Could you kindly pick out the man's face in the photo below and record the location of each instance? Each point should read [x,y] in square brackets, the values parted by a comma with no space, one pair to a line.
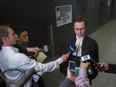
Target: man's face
[12,37]
[23,37]
[79,28]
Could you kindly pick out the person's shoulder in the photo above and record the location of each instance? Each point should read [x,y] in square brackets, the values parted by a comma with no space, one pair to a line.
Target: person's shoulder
[88,38]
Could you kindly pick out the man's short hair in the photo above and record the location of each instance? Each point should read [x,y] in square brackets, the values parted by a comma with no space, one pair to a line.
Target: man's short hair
[19,30]
[3,32]
[80,19]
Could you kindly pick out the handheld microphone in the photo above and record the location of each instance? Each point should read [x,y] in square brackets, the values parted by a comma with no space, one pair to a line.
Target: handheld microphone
[87,58]
[71,48]
[45,49]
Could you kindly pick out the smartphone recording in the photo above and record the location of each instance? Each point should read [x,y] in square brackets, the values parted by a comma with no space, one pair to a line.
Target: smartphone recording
[85,58]
[72,66]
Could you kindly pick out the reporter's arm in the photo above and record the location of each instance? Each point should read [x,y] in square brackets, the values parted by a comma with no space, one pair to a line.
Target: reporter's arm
[111,69]
[82,80]
[48,67]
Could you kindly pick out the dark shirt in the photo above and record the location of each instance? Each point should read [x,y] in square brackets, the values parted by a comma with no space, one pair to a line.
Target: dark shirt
[23,49]
[112,69]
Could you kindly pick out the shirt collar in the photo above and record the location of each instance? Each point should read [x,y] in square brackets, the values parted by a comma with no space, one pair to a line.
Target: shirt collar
[10,47]
[79,37]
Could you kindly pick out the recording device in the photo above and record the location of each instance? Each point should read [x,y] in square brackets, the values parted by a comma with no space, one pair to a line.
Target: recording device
[72,66]
[88,59]
[45,48]
[85,58]
[71,48]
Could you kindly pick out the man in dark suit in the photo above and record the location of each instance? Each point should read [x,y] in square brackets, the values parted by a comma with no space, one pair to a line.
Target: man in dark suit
[79,45]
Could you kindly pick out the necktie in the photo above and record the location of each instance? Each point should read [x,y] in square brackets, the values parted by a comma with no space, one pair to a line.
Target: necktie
[78,48]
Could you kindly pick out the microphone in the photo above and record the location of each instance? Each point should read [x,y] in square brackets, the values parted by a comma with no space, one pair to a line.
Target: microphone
[45,48]
[87,58]
[85,53]
[71,48]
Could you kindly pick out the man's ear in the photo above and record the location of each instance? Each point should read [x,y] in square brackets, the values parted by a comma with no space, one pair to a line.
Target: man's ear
[4,39]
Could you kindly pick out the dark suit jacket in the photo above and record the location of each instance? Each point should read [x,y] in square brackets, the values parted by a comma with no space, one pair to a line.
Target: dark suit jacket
[112,68]
[22,48]
[89,46]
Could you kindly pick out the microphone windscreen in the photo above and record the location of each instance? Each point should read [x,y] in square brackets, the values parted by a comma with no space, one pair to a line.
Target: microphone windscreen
[71,48]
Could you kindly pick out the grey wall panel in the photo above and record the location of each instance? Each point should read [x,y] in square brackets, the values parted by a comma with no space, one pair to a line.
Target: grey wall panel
[105,11]
[93,15]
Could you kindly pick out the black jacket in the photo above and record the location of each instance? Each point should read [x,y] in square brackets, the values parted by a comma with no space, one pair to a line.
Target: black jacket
[112,68]
[23,49]
[89,46]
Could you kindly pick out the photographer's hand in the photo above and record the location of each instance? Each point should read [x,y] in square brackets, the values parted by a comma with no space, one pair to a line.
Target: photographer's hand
[70,75]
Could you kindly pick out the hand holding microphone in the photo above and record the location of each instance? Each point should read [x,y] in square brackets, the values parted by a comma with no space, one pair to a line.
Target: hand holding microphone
[86,58]
[71,49]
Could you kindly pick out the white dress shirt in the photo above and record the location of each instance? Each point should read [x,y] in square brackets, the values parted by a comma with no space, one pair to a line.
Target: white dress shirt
[78,44]
[10,58]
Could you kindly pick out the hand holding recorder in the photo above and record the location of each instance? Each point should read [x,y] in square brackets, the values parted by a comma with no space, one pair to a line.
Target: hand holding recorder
[71,70]
[99,66]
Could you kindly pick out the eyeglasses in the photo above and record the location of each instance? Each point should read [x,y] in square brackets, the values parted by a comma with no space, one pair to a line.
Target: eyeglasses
[80,29]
